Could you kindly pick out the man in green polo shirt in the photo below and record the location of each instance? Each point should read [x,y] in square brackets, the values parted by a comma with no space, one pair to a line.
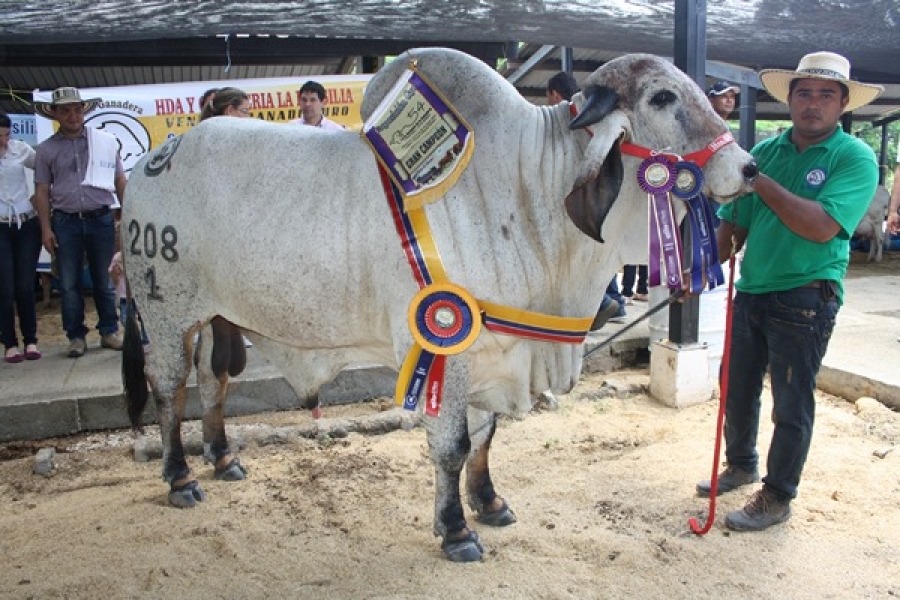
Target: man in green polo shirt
[814,185]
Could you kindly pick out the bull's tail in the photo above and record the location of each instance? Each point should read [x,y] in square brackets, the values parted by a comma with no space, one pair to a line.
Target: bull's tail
[133,377]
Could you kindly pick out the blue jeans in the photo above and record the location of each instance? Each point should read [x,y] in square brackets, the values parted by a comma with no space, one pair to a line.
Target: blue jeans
[19,252]
[77,239]
[612,290]
[787,333]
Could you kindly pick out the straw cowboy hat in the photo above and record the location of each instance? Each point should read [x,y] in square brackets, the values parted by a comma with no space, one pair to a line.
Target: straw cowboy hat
[65,95]
[820,65]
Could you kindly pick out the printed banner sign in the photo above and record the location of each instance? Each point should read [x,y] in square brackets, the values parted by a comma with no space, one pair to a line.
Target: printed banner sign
[420,139]
[23,128]
[143,117]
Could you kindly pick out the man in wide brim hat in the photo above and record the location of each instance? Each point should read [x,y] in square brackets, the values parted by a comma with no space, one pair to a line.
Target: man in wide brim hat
[820,65]
[811,186]
[65,95]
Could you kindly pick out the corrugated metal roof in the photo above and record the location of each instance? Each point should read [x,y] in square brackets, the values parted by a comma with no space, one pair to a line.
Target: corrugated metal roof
[750,33]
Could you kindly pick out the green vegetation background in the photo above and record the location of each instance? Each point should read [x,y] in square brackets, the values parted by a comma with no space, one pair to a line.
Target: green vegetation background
[865,131]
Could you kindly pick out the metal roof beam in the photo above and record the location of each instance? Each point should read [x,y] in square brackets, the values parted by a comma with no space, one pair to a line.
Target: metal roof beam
[529,64]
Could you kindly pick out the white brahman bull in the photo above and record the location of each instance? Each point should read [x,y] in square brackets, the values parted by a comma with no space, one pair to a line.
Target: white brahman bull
[871,227]
[285,233]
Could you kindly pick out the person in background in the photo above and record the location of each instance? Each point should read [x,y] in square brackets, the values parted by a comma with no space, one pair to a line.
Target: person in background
[117,276]
[629,273]
[224,102]
[312,103]
[203,100]
[20,247]
[893,219]
[78,174]
[723,98]
[561,87]
[813,186]
[219,102]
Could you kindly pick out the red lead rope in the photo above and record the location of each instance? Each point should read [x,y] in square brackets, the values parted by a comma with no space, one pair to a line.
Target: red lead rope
[723,396]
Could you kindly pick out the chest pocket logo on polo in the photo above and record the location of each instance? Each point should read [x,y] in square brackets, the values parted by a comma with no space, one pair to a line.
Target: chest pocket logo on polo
[815,178]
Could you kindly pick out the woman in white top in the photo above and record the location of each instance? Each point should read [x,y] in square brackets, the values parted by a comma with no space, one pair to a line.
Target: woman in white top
[20,246]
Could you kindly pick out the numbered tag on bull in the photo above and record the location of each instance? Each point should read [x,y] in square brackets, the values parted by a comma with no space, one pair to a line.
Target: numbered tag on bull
[444,319]
[147,242]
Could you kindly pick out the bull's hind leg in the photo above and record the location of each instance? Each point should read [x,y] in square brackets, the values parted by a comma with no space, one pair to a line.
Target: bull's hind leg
[220,353]
[168,378]
[492,509]
[448,440]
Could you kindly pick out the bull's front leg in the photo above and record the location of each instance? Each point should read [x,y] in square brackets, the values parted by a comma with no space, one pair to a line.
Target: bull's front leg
[877,244]
[448,441]
[492,509]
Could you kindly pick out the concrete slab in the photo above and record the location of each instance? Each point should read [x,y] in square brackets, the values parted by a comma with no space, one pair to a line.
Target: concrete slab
[862,357]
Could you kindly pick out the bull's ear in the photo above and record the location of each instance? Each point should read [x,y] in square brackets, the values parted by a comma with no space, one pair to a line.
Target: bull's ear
[589,203]
[599,102]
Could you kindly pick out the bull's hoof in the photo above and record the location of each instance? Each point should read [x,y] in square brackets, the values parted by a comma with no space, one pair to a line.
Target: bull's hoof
[187,495]
[467,549]
[499,518]
[234,471]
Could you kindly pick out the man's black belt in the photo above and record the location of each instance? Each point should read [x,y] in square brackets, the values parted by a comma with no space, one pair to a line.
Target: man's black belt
[818,283]
[827,286]
[88,214]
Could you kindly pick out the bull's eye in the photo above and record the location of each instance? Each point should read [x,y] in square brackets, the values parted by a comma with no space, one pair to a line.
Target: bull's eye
[662,99]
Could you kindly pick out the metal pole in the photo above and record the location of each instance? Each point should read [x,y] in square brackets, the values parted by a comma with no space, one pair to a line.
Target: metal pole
[747,133]
[567,60]
[690,57]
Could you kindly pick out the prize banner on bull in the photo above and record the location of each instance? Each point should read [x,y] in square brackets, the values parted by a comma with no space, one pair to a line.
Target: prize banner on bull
[420,139]
[143,117]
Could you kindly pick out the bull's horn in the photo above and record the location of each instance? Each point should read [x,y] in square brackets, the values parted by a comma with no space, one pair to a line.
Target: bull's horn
[601,100]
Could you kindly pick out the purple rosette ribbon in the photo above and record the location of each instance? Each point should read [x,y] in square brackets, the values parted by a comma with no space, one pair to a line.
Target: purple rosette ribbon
[657,176]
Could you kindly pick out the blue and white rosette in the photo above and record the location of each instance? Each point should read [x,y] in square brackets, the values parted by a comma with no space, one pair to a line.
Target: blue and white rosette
[704,251]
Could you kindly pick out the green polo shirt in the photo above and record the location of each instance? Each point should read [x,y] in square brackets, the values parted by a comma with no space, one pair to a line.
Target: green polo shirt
[839,173]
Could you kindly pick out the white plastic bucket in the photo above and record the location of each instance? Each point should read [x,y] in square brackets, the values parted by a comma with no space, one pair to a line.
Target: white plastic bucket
[711,326]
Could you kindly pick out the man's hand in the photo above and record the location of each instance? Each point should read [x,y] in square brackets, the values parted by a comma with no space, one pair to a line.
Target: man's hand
[893,222]
[49,241]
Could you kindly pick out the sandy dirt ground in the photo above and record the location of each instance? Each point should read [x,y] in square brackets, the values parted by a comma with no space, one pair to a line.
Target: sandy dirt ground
[603,488]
